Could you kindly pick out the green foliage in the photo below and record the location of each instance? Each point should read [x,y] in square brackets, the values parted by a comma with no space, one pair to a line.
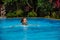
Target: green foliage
[47,16]
[24,2]
[11,14]
[57,14]
[32,14]
[42,8]
[19,13]
[53,15]
[44,5]
[40,3]
[6,1]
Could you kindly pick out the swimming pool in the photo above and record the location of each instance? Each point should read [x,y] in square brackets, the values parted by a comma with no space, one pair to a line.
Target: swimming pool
[37,29]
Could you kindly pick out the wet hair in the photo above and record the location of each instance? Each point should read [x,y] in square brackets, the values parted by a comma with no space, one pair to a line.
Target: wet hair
[21,20]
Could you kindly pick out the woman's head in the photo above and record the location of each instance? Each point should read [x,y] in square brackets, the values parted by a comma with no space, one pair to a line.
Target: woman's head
[24,20]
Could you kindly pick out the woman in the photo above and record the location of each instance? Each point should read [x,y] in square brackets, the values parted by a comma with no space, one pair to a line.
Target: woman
[24,21]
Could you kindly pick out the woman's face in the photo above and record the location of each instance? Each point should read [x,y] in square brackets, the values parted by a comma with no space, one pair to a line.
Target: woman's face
[24,20]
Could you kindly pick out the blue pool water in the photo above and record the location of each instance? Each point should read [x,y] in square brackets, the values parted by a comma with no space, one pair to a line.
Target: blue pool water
[37,29]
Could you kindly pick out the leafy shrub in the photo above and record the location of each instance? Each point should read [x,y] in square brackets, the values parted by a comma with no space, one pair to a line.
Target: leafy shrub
[19,13]
[32,14]
[11,14]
